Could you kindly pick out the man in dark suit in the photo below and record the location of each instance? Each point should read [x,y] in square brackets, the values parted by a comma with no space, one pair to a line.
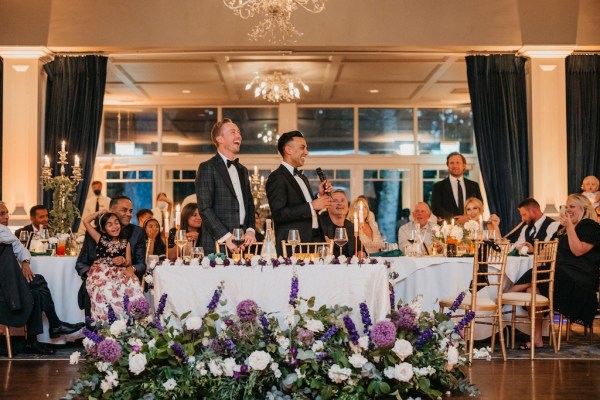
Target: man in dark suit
[449,195]
[223,190]
[122,207]
[39,220]
[290,196]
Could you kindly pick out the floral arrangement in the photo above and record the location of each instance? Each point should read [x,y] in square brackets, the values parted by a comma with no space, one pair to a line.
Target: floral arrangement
[320,354]
[459,232]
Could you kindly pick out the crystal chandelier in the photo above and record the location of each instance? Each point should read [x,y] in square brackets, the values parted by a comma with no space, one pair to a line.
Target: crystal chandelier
[277,16]
[277,87]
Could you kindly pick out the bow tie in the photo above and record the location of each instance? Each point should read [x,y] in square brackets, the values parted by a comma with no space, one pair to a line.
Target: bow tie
[235,162]
[298,172]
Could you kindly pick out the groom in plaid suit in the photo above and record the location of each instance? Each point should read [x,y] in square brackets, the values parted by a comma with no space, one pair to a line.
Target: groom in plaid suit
[223,190]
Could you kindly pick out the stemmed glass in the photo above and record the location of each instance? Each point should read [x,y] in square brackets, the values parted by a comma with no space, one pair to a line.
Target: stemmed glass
[238,240]
[293,239]
[340,238]
[180,241]
[43,234]
[198,253]
[412,232]
[24,238]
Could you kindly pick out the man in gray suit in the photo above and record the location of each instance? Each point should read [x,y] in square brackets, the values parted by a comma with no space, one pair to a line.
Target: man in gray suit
[223,191]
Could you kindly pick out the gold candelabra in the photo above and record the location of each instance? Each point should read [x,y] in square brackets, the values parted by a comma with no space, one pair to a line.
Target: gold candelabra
[257,185]
[76,170]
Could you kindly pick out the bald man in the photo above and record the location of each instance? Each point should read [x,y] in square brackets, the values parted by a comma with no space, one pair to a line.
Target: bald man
[420,215]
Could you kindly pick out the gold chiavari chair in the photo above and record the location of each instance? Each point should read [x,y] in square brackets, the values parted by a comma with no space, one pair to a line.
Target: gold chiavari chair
[489,265]
[306,250]
[249,252]
[544,266]
[6,331]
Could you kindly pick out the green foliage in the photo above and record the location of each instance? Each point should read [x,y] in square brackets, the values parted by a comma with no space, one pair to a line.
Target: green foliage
[64,212]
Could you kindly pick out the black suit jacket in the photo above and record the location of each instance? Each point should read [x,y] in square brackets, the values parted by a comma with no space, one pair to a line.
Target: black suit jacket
[289,207]
[16,300]
[443,204]
[329,227]
[27,228]
[217,202]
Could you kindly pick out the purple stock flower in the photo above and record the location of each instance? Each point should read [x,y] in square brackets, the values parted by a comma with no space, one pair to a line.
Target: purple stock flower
[425,337]
[262,262]
[247,310]
[161,304]
[179,351]
[288,261]
[139,308]
[264,321]
[335,261]
[215,300]
[404,318]
[228,343]
[109,350]
[248,262]
[466,320]
[352,332]
[392,297]
[365,316]
[126,304]
[456,303]
[93,336]
[110,314]
[294,291]
[157,324]
[383,333]
[373,261]
[329,333]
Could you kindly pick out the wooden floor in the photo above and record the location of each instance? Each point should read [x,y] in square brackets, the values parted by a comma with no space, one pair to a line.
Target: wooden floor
[515,379]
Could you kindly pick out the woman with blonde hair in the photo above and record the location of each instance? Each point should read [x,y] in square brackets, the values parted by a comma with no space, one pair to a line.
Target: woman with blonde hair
[577,261]
[474,211]
[369,235]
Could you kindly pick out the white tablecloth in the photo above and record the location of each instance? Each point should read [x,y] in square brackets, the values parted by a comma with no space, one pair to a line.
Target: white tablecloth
[64,284]
[190,288]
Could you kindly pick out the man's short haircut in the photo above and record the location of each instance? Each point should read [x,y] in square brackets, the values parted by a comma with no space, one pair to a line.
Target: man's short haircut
[216,129]
[96,183]
[455,153]
[115,200]
[286,138]
[339,191]
[529,202]
[143,212]
[35,209]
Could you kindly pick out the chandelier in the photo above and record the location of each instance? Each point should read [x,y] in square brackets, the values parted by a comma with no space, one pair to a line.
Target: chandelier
[277,87]
[277,16]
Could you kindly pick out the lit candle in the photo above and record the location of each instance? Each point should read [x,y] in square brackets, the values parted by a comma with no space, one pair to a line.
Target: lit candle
[62,146]
[262,180]
[361,214]
[46,161]
[444,229]
[452,221]
[167,225]
[76,160]
[177,216]
[355,224]
[481,222]
[255,170]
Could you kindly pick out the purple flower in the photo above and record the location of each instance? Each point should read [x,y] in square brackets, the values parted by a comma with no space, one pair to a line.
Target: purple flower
[365,316]
[373,261]
[213,263]
[236,375]
[335,261]
[93,336]
[404,318]
[161,305]
[264,321]
[228,322]
[294,291]
[139,308]
[111,314]
[352,332]
[288,261]
[383,333]
[157,324]
[135,348]
[248,262]
[226,262]
[109,350]
[425,337]
[275,262]
[215,300]
[321,356]
[126,304]
[329,333]
[392,297]
[247,310]
[243,368]
[228,343]
[466,320]
[294,352]
[262,262]
[456,303]
[179,351]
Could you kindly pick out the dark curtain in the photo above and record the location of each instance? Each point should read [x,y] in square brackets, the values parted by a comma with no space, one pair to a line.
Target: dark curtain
[497,88]
[1,123]
[74,96]
[583,118]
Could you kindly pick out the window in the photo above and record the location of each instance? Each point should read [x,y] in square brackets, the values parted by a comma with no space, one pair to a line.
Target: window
[338,178]
[131,131]
[386,131]
[135,184]
[259,128]
[181,183]
[327,130]
[442,131]
[187,130]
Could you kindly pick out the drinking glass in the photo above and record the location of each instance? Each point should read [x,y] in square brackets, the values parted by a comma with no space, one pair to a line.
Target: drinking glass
[293,239]
[187,251]
[61,247]
[24,238]
[180,241]
[238,240]
[412,232]
[492,235]
[323,252]
[198,253]
[43,234]
[340,238]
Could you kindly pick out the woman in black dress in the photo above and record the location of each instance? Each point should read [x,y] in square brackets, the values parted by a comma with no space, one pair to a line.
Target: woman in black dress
[577,266]
[191,223]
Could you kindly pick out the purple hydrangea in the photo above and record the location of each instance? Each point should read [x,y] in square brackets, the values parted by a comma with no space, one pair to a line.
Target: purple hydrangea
[93,336]
[353,335]
[139,308]
[365,316]
[247,310]
[109,350]
[294,291]
[383,333]
[404,318]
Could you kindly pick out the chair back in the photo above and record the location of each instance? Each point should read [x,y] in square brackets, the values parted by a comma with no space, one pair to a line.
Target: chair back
[544,266]
[249,252]
[306,250]
[489,260]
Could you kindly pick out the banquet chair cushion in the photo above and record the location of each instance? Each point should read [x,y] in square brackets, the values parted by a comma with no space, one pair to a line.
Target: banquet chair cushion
[523,298]
[483,303]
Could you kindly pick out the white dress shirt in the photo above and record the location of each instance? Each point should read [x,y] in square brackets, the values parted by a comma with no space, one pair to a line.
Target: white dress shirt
[306,192]
[7,237]
[404,233]
[551,230]
[454,184]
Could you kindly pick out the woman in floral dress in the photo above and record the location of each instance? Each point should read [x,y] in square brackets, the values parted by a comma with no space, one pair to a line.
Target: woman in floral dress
[113,276]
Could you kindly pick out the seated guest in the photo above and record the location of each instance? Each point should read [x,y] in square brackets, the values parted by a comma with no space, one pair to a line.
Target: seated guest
[577,261]
[539,226]
[335,217]
[156,242]
[369,235]
[143,215]
[94,203]
[191,223]
[474,212]
[421,215]
[42,298]
[38,216]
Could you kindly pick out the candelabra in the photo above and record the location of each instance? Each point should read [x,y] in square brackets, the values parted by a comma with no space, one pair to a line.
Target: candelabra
[64,212]
[257,183]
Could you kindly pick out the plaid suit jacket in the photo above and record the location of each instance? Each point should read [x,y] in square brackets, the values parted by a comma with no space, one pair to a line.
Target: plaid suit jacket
[217,202]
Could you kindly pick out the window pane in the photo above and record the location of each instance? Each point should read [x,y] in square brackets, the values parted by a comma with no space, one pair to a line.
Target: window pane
[386,131]
[258,126]
[140,194]
[187,130]
[136,130]
[113,174]
[327,130]
[189,174]
[145,174]
[442,131]
[129,174]
[181,190]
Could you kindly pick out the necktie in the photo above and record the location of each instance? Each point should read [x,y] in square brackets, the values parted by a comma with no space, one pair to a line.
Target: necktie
[235,162]
[461,201]
[97,204]
[298,172]
[532,232]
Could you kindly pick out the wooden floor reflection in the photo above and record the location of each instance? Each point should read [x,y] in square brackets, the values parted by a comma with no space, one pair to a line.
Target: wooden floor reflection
[515,379]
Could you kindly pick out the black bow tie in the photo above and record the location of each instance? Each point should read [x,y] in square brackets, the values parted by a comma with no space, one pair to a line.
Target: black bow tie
[235,162]
[298,172]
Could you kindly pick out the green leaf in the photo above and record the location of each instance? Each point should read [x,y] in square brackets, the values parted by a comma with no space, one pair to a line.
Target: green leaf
[185,315]
[384,388]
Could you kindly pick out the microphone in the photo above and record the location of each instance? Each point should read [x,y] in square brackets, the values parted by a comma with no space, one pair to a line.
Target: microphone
[322,177]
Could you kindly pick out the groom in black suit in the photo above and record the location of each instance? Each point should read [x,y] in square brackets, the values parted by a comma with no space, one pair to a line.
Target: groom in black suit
[223,191]
[290,196]
[448,196]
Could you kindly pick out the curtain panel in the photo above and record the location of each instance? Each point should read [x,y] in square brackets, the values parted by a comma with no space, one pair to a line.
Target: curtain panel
[74,97]
[497,87]
[583,118]
[1,120]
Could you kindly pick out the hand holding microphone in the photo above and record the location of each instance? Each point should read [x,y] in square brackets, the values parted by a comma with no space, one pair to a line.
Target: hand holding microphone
[322,201]
[323,189]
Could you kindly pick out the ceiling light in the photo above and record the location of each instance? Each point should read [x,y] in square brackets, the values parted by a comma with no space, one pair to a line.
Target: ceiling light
[374,91]
[186,91]
[277,86]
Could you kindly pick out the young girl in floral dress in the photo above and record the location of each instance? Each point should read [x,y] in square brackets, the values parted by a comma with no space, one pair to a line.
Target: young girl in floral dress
[113,276]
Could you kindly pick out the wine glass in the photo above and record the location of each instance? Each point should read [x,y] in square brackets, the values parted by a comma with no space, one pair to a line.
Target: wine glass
[340,238]
[238,240]
[180,241]
[412,232]
[24,238]
[198,253]
[323,252]
[293,239]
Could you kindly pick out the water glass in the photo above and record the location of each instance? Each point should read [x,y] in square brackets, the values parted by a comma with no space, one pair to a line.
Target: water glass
[198,253]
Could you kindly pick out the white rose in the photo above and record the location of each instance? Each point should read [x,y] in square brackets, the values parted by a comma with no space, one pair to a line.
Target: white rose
[277,373]
[194,262]
[205,262]
[472,226]
[402,372]
[152,343]
[357,360]
[118,327]
[283,342]
[201,368]
[457,232]
[170,384]
[219,261]
[452,355]
[338,374]
[193,323]
[215,368]
[105,386]
[135,342]
[102,366]
[74,358]
[363,342]
[354,260]
[229,365]
[149,279]
[329,259]
[88,344]
[402,348]
[425,371]
[317,346]
[314,325]
[259,360]
[343,259]
[137,363]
